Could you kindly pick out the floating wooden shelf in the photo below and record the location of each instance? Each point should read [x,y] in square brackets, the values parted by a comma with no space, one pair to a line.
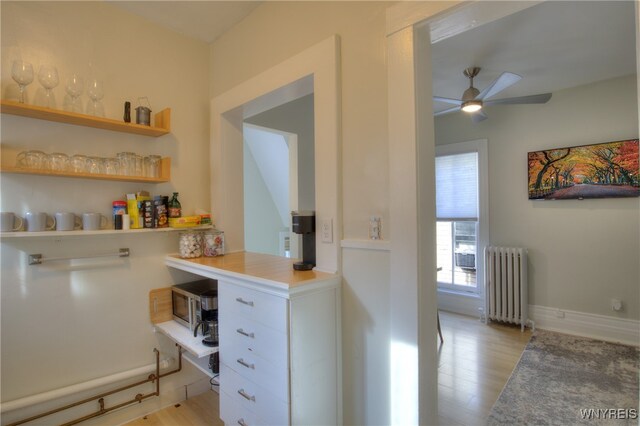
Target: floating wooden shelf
[162,119]
[165,174]
[81,233]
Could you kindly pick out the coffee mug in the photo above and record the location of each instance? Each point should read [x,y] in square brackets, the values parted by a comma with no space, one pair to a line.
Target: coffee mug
[67,222]
[93,221]
[7,221]
[37,221]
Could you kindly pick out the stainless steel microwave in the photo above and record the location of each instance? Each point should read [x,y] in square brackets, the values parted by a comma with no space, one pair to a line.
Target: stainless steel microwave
[186,301]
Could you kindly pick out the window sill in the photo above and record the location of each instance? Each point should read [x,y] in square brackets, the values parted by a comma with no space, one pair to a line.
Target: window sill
[459,293]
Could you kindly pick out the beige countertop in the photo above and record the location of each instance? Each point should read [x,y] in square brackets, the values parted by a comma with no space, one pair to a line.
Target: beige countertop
[265,267]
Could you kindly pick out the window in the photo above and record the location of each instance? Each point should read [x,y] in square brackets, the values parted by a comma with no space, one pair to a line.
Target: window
[460,199]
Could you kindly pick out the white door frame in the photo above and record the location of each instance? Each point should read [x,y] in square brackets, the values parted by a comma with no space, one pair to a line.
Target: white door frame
[410,28]
[315,70]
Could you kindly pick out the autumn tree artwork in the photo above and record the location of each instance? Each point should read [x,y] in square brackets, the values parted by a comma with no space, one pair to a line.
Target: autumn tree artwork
[589,171]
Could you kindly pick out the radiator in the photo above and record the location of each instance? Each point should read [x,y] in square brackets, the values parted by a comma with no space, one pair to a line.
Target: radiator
[506,285]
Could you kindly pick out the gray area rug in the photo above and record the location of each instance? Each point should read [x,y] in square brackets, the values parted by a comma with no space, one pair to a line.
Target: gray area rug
[567,380]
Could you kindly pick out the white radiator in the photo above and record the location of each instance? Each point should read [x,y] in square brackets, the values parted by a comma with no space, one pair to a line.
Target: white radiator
[506,285]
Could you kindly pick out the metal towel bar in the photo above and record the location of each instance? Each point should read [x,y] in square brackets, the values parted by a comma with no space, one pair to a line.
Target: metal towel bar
[37,259]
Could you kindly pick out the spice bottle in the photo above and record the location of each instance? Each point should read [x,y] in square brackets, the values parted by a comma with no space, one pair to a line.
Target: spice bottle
[175,209]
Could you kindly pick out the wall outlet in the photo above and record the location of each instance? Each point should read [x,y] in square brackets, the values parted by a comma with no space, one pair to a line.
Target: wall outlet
[559,313]
[375,227]
[326,230]
[616,305]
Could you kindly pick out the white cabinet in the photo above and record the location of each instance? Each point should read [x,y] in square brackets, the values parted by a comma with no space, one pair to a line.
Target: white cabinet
[278,355]
[279,340]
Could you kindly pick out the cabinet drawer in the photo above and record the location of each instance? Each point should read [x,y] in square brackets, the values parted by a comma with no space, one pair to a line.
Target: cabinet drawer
[254,338]
[232,414]
[257,370]
[264,308]
[254,398]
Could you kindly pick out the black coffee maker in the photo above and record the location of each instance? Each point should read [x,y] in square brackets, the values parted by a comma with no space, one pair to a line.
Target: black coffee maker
[304,222]
[208,318]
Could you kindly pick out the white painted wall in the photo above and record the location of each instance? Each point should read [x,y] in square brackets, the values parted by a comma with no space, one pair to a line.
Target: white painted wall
[274,32]
[296,117]
[581,253]
[262,220]
[61,326]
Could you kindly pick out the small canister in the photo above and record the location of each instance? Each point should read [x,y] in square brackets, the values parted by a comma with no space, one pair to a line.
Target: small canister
[190,245]
[143,113]
[119,209]
[213,243]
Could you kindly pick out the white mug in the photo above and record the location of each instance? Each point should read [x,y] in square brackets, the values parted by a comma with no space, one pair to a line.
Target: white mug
[67,222]
[93,221]
[7,220]
[37,221]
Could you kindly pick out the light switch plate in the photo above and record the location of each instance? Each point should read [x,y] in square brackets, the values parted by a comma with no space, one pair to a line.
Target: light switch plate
[327,230]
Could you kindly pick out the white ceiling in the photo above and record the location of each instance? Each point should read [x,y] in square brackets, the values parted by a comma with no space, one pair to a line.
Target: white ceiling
[553,46]
[203,20]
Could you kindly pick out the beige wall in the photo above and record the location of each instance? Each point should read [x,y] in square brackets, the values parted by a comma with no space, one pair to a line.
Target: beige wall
[581,253]
[276,31]
[68,323]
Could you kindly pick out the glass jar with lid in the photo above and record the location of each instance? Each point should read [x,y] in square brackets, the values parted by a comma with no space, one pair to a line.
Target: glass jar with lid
[190,244]
[213,242]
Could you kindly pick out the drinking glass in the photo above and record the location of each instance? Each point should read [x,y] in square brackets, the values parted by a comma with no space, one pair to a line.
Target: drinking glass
[152,166]
[79,163]
[96,93]
[95,165]
[22,73]
[48,77]
[58,162]
[75,88]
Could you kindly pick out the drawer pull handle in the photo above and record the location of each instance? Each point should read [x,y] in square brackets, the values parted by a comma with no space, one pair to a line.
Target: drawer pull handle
[242,423]
[244,333]
[241,362]
[246,395]
[244,302]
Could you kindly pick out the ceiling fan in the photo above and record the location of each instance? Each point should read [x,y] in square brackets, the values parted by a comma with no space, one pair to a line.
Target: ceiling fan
[474,100]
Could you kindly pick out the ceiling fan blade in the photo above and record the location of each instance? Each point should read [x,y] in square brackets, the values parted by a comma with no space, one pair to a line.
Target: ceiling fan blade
[505,80]
[532,99]
[447,100]
[446,111]
[478,116]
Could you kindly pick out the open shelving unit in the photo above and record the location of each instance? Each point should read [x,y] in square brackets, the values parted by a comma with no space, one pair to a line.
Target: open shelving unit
[165,174]
[162,119]
[81,233]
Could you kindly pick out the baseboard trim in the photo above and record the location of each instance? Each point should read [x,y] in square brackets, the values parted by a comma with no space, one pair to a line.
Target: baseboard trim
[459,303]
[611,329]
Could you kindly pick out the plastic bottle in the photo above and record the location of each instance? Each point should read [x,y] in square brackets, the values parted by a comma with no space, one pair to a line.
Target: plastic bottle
[175,209]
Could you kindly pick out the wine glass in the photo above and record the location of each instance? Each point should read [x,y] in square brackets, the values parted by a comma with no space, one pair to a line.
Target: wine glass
[48,77]
[75,88]
[22,73]
[96,93]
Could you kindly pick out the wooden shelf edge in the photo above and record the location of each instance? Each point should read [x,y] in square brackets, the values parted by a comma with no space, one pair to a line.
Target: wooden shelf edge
[165,174]
[81,233]
[163,119]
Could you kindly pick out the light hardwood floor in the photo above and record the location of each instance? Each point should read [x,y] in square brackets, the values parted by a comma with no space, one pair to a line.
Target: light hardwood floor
[200,410]
[475,362]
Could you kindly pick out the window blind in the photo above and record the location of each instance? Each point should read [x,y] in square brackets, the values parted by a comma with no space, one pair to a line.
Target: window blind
[457,186]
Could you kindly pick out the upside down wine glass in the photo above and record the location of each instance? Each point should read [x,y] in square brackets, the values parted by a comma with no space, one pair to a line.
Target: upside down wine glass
[96,93]
[22,73]
[48,77]
[75,87]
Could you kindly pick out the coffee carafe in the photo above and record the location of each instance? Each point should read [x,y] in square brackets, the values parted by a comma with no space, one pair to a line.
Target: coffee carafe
[209,318]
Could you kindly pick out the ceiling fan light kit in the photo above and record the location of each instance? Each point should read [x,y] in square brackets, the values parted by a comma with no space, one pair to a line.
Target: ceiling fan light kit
[473,100]
[471,106]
